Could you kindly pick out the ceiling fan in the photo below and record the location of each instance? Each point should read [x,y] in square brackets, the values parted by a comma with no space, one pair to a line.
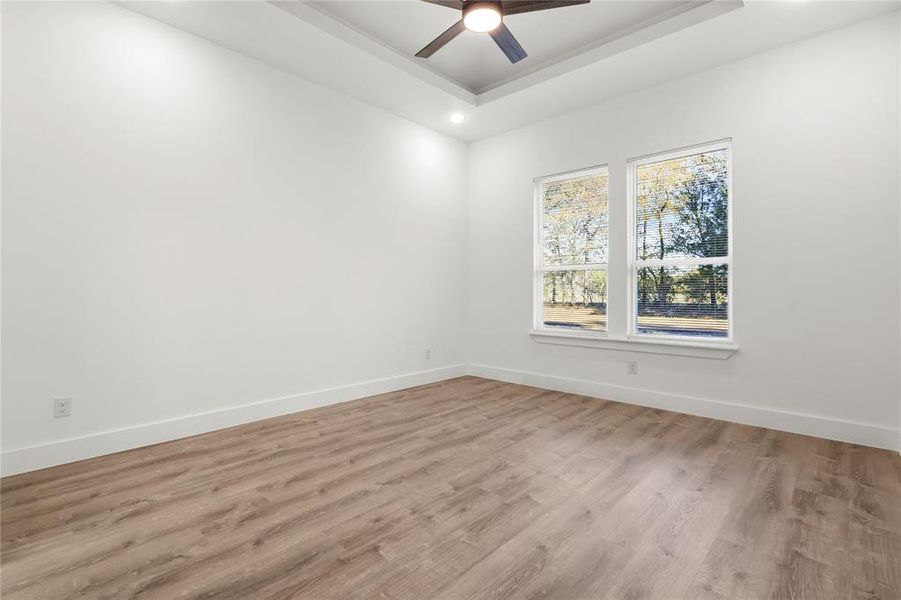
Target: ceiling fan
[487,16]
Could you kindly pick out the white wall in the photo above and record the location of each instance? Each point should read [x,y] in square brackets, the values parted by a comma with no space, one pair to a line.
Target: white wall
[188,234]
[815,148]
[186,230]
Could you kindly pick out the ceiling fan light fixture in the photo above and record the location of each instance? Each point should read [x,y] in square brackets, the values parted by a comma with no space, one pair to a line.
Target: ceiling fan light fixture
[487,16]
[481,17]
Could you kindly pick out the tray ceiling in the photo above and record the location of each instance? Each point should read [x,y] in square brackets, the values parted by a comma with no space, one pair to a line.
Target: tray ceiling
[320,46]
[472,60]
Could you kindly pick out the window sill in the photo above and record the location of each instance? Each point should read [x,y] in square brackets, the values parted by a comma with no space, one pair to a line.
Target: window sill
[699,349]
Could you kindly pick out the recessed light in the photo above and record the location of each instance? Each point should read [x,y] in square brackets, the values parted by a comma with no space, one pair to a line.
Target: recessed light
[457,118]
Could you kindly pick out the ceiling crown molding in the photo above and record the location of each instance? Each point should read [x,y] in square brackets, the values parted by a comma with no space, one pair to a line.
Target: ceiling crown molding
[303,40]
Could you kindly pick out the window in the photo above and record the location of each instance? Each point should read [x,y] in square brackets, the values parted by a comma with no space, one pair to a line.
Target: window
[571,286]
[669,283]
[680,256]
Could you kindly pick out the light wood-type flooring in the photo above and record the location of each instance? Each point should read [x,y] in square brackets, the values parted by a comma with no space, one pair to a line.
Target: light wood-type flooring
[465,489]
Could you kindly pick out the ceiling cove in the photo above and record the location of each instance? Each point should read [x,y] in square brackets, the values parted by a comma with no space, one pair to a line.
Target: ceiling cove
[331,44]
[471,67]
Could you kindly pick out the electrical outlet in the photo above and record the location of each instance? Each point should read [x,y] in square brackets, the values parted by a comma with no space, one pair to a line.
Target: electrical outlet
[428,354]
[633,367]
[62,407]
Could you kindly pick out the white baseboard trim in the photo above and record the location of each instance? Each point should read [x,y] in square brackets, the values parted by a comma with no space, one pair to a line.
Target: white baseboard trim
[825,427]
[30,458]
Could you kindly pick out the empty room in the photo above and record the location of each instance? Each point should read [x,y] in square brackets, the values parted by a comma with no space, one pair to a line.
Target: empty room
[450,299]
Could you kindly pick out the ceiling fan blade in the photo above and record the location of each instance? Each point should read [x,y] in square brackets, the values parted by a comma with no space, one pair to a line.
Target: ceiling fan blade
[455,4]
[436,44]
[507,43]
[515,7]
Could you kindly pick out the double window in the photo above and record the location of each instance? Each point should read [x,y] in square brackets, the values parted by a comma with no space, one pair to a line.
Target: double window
[676,281]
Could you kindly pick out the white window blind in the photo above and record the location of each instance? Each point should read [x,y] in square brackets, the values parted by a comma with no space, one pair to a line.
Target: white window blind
[573,251]
[680,258]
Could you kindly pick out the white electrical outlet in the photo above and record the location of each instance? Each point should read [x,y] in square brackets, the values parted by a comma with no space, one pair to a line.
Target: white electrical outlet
[62,407]
[633,367]
[428,354]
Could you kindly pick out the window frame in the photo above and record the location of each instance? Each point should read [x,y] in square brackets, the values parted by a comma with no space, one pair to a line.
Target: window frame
[538,266]
[632,165]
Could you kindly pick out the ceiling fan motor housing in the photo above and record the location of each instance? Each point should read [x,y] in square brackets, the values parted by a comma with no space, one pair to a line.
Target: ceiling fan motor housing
[487,16]
[469,5]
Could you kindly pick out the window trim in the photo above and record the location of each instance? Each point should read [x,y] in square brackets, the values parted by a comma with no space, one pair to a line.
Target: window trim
[538,266]
[692,346]
[632,165]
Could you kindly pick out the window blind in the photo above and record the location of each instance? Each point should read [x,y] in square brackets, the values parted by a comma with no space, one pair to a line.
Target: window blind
[680,266]
[574,250]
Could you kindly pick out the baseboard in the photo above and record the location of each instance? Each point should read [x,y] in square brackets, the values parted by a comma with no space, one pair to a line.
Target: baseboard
[20,460]
[833,429]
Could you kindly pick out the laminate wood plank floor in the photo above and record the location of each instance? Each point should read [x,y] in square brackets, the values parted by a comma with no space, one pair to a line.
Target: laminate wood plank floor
[464,489]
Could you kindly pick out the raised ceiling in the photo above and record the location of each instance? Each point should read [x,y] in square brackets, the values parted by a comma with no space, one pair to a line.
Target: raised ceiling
[473,60]
[312,43]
